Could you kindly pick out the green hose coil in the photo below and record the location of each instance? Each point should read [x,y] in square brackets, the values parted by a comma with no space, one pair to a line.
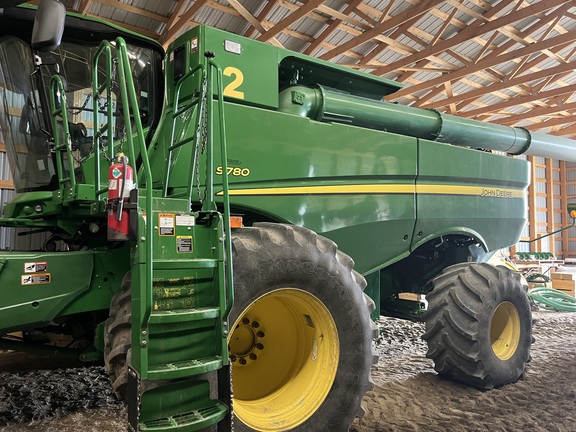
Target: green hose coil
[553,299]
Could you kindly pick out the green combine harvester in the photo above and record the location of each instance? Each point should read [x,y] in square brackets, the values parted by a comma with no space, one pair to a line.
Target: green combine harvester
[226,218]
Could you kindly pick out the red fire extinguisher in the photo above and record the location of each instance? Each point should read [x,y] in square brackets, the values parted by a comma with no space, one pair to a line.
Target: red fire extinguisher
[120,183]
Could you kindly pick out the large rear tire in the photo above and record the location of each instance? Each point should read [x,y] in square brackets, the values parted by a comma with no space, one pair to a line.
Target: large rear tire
[479,325]
[301,338]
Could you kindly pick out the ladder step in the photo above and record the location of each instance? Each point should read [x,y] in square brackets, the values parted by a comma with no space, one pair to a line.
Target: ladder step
[183,315]
[198,263]
[185,368]
[180,143]
[188,421]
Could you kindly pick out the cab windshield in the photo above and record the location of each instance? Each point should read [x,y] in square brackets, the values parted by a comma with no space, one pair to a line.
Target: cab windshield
[24,116]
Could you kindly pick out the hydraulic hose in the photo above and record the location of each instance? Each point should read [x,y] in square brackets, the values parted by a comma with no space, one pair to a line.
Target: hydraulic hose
[553,299]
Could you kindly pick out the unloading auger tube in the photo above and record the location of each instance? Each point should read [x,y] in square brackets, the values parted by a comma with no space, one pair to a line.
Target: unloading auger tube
[329,105]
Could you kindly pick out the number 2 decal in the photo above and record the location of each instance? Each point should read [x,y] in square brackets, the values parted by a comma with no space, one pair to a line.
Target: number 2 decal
[232,88]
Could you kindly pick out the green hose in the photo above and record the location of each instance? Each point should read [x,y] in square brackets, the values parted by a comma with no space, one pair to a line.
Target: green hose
[553,299]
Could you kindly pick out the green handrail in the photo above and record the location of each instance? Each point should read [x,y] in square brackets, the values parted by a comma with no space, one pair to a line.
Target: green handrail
[97,90]
[229,301]
[60,109]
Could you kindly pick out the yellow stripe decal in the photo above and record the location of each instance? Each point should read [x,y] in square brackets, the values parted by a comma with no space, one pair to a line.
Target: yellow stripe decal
[333,189]
[359,189]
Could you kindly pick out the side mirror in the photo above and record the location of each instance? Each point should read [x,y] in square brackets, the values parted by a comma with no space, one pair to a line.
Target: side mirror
[48,25]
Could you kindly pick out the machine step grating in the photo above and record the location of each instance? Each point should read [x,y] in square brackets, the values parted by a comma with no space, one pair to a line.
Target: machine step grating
[189,421]
[184,369]
[183,315]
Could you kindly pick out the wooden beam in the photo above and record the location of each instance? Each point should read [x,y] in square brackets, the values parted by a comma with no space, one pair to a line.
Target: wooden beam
[83,7]
[546,111]
[550,202]
[168,36]
[471,32]
[261,17]
[567,67]
[558,121]
[488,62]
[252,20]
[391,23]
[563,204]
[135,29]
[532,205]
[518,100]
[290,19]
[134,10]
[331,27]
[6,184]
[175,15]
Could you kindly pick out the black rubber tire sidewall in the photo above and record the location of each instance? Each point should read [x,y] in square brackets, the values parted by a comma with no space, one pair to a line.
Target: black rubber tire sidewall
[458,323]
[261,265]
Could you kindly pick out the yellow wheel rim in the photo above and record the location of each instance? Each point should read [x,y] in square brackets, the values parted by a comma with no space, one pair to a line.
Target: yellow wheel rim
[505,331]
[284,351]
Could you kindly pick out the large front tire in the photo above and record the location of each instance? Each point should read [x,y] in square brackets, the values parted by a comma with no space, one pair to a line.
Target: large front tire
[479,325]
[301,334]
[117,341]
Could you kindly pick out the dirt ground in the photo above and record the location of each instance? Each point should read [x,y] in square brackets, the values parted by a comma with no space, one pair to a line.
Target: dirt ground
[408,395]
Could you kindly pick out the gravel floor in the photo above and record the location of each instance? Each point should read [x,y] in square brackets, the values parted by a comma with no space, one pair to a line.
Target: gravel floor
[408,395]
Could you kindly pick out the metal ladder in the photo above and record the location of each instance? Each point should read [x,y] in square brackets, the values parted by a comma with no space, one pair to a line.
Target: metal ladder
[179,373]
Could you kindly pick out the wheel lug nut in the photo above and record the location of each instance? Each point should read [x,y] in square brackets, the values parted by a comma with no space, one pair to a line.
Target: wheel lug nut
[242,361]
[232,358]
[260,334]
[253,356]
[260,346]
[245,321]
[255,324]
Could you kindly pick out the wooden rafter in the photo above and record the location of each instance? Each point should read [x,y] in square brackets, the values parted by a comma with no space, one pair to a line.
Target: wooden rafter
[513,101]
[330,28]
[183,20]
[84,5]
[471,31]
[251,19]
[491,61]
[290,19]
[261,17]
[381,28]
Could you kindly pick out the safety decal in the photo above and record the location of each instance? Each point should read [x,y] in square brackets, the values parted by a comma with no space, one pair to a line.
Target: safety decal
[35,279]
[35,267]
[166,224]
[184,244]
[185,220]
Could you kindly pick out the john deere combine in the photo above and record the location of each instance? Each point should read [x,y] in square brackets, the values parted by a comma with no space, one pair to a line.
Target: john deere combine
[206,206]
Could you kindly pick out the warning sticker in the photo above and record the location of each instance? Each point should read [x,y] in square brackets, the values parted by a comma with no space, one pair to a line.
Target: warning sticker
[166,224]
[35,279]
[35,267]
[184,244]
[185,220]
